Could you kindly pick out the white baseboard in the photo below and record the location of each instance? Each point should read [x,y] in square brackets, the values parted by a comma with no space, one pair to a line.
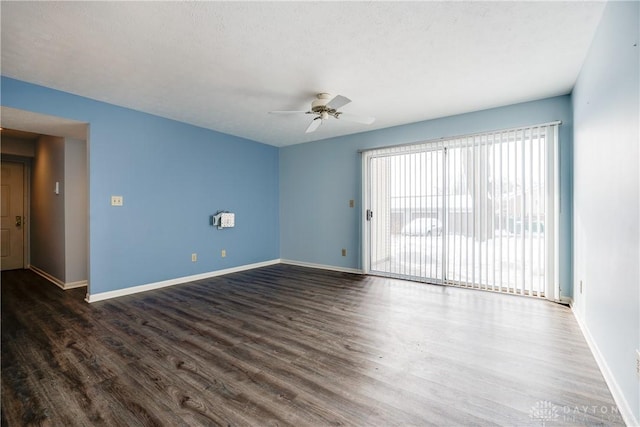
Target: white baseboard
[616,392]
[91,298]
[321,266]
[73,285]
[59,283]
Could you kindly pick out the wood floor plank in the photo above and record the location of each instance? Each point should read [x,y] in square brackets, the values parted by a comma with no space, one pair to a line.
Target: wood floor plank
[287,345]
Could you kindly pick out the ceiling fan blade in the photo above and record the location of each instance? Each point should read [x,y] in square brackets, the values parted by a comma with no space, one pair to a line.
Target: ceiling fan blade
[355,118]
[288,112]
[338,101]
[315,124]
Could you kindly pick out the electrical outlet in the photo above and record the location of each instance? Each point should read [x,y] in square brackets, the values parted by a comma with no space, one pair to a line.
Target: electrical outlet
[352,203]
[223,253]
[344,252]
[580,286]
[117,200]
[638,363]
[194,257]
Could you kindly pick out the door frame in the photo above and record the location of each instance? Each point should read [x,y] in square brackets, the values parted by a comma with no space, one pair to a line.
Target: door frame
[365,196]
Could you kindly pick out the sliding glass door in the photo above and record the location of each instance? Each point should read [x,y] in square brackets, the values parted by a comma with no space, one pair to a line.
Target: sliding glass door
[476,211]
[407,214]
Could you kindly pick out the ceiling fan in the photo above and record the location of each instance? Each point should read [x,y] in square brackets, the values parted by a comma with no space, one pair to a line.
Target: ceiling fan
[326,105]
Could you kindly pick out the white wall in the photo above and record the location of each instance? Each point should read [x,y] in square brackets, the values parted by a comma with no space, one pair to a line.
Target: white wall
[606,201]
[47,208]
[59,222]
[75,210]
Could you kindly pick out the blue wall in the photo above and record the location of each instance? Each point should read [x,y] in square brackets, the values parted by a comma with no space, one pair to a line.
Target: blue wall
[318,179]
[606,103]
[173,176]
[291,203]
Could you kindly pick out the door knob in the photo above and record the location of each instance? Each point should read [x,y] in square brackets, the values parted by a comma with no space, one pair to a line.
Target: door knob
[18,221]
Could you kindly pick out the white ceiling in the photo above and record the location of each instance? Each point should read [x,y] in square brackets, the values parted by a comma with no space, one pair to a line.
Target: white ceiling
[224,65]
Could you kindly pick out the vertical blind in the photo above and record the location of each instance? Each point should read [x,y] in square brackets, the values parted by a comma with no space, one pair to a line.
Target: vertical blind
[476,211]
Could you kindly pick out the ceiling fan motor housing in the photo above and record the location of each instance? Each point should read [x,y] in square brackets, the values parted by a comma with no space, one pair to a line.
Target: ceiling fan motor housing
[319,105]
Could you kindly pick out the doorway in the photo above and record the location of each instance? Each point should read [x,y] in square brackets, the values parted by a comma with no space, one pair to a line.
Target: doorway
[56,223]
[477,211]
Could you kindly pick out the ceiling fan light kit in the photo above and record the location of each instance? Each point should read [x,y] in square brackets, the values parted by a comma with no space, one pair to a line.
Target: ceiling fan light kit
[326,105]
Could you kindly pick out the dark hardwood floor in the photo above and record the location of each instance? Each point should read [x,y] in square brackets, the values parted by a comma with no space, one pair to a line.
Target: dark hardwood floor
[287,345]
